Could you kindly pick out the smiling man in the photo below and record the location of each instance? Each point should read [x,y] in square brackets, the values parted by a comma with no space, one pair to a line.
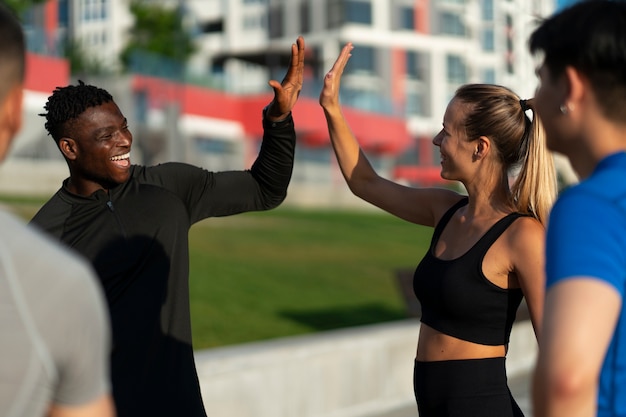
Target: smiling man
[132,223]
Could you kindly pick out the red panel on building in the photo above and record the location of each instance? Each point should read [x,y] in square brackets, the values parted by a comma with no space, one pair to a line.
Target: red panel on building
[195,100]
[375,132]
[422,14]
[51,20]
[45,73]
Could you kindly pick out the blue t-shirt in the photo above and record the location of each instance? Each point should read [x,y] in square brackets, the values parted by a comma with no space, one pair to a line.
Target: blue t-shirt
[587,237]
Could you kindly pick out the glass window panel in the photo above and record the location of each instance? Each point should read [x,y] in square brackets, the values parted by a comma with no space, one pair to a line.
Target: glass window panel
[488,40]
[456,69]
[363,61]
[358,12]
[451,24]
[486,10]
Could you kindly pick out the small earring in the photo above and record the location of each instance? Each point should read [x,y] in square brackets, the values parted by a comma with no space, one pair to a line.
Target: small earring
[563,108]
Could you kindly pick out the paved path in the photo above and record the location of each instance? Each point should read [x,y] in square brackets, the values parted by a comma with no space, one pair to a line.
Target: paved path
[520,387]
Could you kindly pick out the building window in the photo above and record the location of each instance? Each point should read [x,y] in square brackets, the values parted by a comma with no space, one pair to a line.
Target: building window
[489,76]
[334,14]
[403,18]
[414,65]
[487,40]
[415,104]
[363,61]
[305,17]
[103,9]
[314,154]
[275,22]
[218,153]
[510,52]
[340,12]
[451,24]
[358,12]
[456,69]
[360,98]
[486,10]
[64,14]
[253,21]
[94,10]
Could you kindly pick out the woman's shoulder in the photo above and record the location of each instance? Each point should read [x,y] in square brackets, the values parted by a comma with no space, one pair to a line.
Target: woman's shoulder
[525,231]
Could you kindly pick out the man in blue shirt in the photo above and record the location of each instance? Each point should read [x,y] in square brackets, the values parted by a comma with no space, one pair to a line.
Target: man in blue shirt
[581,369]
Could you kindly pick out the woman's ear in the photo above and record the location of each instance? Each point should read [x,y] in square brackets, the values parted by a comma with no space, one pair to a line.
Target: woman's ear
[481,147]
[68,148]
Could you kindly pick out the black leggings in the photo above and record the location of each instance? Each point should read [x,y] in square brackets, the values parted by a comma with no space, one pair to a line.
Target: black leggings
[464,388]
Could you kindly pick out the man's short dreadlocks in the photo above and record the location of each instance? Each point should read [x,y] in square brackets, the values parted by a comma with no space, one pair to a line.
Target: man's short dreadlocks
[67,103]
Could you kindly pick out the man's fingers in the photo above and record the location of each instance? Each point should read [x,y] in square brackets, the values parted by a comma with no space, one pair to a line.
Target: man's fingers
[297,63]
[295,55]
[275,85]
[300,43]
[297,52]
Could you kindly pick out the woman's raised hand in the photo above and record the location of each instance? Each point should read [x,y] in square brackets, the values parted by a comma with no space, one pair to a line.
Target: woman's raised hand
[329,96]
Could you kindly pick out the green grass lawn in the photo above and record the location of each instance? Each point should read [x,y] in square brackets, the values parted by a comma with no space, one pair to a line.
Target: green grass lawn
[291,271]
[283,272]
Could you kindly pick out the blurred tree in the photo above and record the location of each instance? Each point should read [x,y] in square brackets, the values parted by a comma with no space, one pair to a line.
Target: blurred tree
[158,30]
[81,63]
[20,6]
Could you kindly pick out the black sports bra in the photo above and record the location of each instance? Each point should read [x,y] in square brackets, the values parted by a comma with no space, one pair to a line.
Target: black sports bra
[456,297]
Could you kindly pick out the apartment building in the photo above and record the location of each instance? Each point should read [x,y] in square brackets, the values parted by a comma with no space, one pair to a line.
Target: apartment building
[409,57]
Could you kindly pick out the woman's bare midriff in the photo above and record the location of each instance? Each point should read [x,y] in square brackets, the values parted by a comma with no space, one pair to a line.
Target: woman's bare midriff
[436,346]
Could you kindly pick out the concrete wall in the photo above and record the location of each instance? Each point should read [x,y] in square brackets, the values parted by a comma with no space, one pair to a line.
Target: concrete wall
[32,177]
[358,372]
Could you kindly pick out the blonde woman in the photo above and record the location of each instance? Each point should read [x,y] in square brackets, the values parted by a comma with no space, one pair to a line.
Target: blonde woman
[486,252]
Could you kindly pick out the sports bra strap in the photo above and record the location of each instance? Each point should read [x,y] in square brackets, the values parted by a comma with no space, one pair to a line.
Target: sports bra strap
[445,219]
[494,232]
[487,239]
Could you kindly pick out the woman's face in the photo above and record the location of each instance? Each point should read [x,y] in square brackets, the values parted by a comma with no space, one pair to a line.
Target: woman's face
[456,151]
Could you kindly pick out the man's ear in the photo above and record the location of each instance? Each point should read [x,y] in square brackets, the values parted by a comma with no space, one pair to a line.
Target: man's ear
[10,118]
[14,108]
[576,88]
[68,148]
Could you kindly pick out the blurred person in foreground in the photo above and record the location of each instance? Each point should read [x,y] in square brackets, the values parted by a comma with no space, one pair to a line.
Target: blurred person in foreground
[54,329]
[133,221]
[581,98]
[486,252]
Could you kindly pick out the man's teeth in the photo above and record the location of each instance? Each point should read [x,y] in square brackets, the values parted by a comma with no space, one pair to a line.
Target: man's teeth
[120,157]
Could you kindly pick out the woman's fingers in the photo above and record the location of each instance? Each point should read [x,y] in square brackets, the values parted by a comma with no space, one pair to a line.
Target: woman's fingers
[330,91]
[342,59]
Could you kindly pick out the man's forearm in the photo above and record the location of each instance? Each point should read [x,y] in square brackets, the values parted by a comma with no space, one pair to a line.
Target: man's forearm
[274,165]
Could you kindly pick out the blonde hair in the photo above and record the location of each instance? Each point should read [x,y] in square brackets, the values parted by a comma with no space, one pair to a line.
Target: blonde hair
[498,113]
